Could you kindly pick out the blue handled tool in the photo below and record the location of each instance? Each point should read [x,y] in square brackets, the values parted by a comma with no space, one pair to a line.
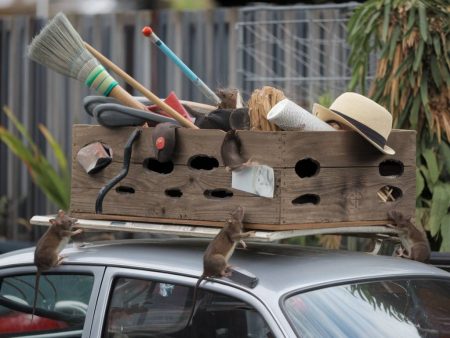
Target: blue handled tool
[148,32]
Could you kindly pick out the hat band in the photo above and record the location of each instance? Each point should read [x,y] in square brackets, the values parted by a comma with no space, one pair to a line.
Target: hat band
[370,133]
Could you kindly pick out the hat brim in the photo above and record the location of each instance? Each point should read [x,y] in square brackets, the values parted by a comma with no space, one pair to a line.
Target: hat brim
[326,115]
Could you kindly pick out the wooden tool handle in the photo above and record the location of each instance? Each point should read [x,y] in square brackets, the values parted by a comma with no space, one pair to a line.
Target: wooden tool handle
[125,98]
[144,91]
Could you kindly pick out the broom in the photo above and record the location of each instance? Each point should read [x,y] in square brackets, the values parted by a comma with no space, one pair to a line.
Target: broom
[59,47]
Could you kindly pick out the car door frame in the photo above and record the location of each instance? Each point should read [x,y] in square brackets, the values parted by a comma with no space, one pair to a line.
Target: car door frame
[113,272]
[96,271]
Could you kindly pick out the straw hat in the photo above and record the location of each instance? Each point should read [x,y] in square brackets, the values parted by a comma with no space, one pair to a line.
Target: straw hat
[368,118]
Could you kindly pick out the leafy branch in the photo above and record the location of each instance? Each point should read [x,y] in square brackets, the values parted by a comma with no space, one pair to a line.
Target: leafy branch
[55,183]
[412,80]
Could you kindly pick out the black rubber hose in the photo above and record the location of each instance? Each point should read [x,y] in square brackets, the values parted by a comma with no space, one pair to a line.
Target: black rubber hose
[126,166]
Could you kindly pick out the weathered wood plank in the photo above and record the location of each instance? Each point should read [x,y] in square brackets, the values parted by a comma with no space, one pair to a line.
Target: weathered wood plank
[183,178]
[346,194]
[250,226]
[346,148]
[256,145]
[187,207]
[276,149]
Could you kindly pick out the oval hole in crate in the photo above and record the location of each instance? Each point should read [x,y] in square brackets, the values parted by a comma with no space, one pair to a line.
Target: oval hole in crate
[389,193]
[307,167]
[392,168]
[123,189]
[218,193]
[174,192]
[203,162]
[306,199]
[153,164]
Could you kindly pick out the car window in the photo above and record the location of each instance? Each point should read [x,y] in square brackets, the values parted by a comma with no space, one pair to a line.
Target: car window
[385,308]
[61,305]
[144,308]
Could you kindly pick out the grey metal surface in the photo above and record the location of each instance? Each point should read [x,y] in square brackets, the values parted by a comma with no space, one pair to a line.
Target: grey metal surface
[294,46]
[279,268]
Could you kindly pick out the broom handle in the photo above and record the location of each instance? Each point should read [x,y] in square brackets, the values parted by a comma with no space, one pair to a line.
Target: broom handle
[136,85]
[125,98]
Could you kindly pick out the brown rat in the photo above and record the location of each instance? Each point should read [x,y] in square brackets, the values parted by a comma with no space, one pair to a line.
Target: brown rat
[220,249]
[231,152]
[230,98]
[46,255]
[414,242]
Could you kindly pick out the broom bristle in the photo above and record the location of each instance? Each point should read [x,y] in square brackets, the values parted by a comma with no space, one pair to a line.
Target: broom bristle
[60,47]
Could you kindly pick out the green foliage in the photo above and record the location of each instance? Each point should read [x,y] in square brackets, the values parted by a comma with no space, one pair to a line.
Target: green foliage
[55,183]
[326,99]
[412,80]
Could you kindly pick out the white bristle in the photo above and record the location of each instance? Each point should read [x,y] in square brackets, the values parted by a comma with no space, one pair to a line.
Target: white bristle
[60,47]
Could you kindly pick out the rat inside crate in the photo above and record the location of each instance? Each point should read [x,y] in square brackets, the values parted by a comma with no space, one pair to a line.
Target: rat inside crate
[321,178]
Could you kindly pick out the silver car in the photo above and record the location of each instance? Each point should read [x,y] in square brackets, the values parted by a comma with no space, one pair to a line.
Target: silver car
[144,288]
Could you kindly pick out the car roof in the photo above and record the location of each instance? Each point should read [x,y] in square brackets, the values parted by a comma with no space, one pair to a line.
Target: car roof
[280,268]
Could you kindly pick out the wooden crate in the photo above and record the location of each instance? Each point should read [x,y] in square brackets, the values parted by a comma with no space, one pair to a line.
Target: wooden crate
[344,174]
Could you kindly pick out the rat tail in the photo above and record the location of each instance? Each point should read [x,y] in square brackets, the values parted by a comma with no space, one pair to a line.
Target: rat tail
[36,291]
[194,299]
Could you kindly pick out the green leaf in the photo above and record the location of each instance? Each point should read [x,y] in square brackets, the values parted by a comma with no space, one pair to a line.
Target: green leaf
[386,19]
[445,73]
[385,51]
[394,39]
[424,96]
[420,184]
[357,22]
[422,216]
[439,206]
[432,165]
[423,23]
[411,18]
[426,175]
[437,45]
[418,56]
[370,26]
[436,74]
[20,128]
[405,65]
[403,117]
[444,150]
[414,113]
[16,146]
[59,154]
[354,82]
[56,186]
[445,234]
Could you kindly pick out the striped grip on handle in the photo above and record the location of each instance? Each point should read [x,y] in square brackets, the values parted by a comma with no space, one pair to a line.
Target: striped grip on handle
[100,80]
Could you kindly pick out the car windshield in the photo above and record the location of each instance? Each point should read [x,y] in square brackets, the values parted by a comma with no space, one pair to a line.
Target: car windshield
[383,308]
